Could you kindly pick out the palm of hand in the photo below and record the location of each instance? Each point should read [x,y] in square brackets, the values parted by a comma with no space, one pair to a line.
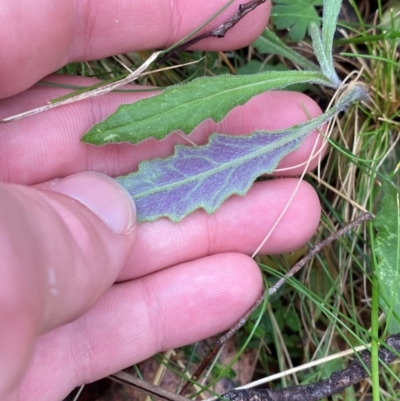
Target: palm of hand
[181,282]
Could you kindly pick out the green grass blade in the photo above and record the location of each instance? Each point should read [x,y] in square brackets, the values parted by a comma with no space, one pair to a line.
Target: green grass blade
[184,107]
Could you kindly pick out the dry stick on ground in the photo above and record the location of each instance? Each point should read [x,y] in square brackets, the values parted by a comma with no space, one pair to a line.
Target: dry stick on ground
[313,251]
[338,381]
[218,32]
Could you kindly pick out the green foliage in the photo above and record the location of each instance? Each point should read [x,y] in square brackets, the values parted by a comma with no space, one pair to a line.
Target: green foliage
[205,176]
[296,15]
[322,43]
[186,106]
[331,14]
[291,319]
[287,321]
[269,42]
[387,250]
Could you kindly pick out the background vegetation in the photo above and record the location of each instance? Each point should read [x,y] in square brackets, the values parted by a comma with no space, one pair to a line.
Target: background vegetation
[332,305]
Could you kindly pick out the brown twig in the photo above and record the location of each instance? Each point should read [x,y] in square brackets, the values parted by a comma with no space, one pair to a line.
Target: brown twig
[317,248]
[338,381]
[313,251]
[218,32]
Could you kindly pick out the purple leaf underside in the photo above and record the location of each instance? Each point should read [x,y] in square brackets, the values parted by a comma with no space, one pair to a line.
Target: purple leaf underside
[204,176]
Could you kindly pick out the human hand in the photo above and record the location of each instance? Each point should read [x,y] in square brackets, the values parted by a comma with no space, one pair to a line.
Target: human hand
[63,322]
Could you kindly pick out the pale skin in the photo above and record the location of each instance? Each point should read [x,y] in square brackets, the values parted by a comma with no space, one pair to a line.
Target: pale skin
[181,282]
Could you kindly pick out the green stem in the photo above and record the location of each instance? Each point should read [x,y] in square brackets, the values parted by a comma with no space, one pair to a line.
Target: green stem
[374,315]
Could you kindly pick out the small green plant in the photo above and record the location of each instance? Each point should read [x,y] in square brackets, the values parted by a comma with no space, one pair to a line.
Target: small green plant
[296,15]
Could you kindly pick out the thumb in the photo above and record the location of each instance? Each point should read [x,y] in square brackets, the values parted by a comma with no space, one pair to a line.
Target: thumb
[62,245]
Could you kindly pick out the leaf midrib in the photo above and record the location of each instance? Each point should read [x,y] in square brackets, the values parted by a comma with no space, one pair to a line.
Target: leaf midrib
[223,166]
[318,79]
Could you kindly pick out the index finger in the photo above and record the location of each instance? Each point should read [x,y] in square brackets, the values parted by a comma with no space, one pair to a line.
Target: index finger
[37,40]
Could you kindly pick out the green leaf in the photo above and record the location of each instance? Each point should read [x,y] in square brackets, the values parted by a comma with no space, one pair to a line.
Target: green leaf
[387,249]
[292,320]
[186,106]
[320,54]
[322,44]
[269,42]
[329,22]
[296,15]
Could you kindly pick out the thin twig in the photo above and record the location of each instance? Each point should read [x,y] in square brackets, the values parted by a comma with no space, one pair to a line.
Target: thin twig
[338,381]
[317,248]
[218,32]
[271,291]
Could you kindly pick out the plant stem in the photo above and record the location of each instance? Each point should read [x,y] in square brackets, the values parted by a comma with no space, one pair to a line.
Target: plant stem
[374,319]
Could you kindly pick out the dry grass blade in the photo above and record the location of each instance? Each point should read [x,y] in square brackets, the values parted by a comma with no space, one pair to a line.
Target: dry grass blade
[149,388]
[88,94]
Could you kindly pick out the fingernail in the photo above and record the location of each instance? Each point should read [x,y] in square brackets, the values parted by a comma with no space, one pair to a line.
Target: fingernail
[103,196]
